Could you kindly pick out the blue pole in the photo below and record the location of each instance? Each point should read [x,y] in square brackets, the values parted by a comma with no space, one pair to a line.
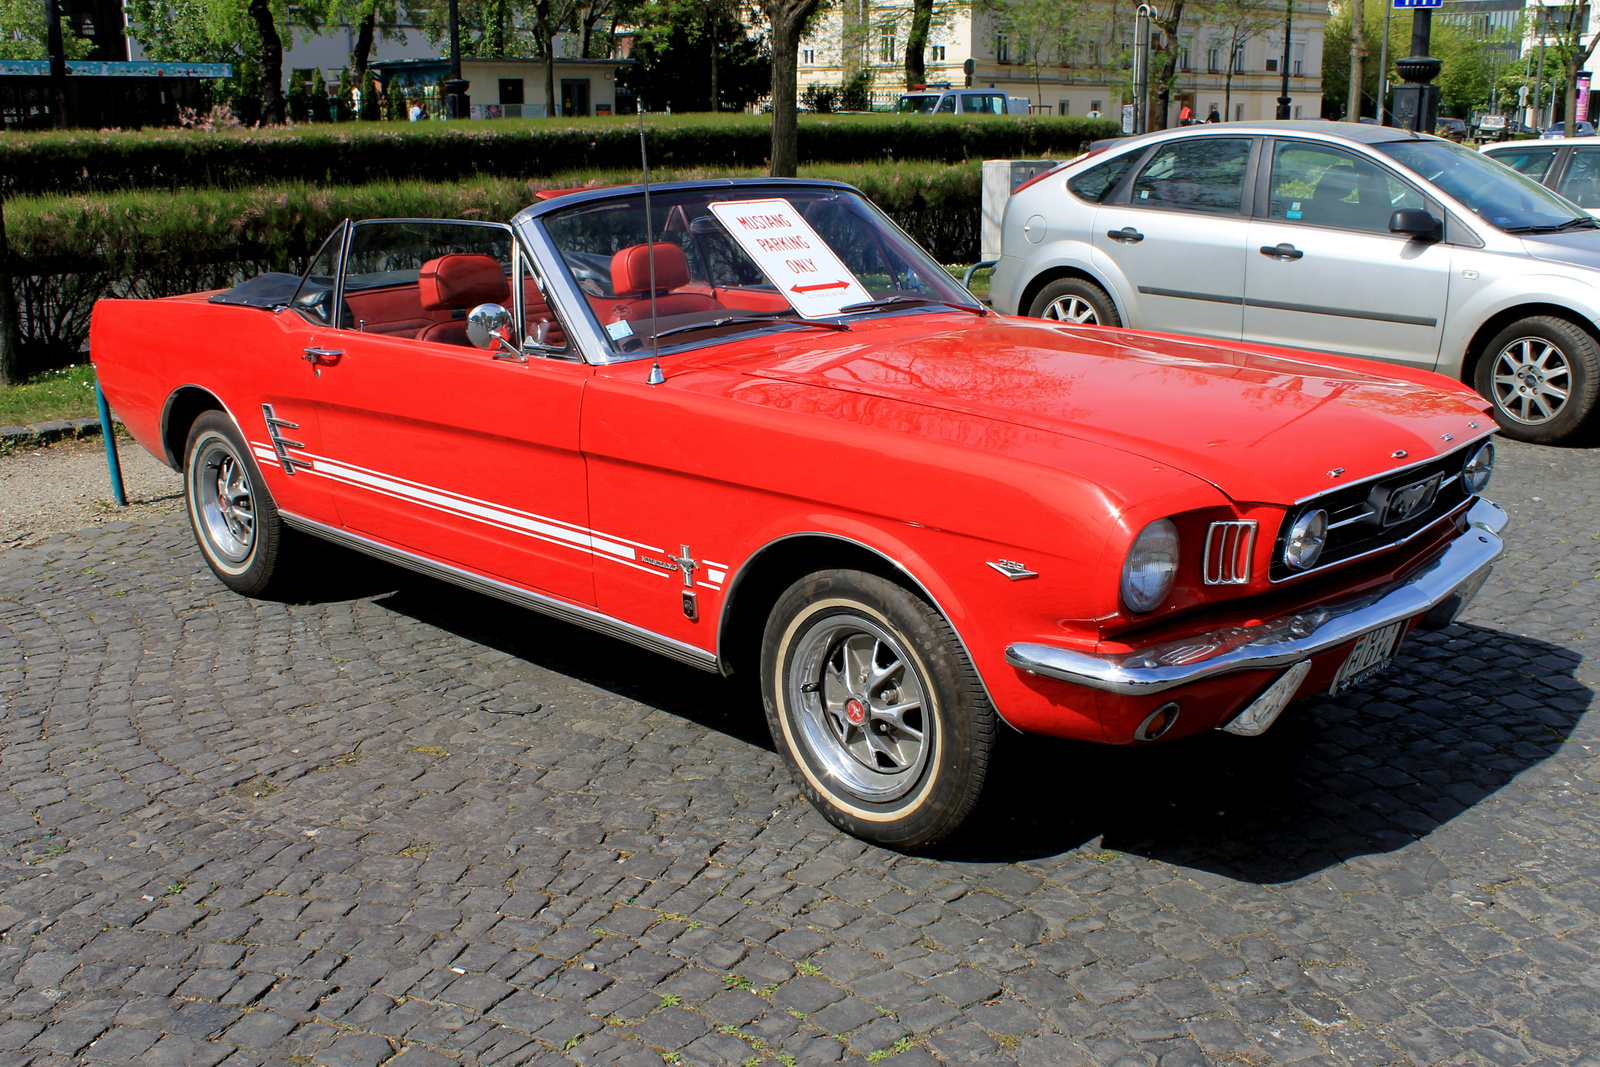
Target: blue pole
[110,434]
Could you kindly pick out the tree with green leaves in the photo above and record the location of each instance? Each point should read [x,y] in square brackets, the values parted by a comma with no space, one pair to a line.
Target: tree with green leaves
[1566,28]
[787,21]
[1466,82]
[1169,20]
[245,33]
[368,17]
[1239,21]
[917,43]
[685,61]
[1042,34]
[22,32]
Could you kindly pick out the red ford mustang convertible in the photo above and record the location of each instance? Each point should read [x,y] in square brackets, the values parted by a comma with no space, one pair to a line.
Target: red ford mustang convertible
[752,426]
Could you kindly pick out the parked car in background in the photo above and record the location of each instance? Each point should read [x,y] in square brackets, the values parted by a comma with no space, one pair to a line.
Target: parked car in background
[754,428]
[1570,166]
[1454,129]
[961,102]
[1364,240]
[1581,129]
[1491,127]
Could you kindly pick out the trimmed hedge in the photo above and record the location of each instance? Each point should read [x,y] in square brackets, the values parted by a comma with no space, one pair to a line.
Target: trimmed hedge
[74,164]
[69,253]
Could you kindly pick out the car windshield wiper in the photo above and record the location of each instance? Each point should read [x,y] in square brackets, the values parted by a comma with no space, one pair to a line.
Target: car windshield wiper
[744,320]
[889,301]
[1585,222]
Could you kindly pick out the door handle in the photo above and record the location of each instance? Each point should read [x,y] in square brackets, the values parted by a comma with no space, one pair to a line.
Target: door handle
[1127,234]
[323,355]
[1281,251]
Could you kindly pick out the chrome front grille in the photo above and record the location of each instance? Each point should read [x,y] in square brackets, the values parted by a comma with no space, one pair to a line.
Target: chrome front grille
[1227,556]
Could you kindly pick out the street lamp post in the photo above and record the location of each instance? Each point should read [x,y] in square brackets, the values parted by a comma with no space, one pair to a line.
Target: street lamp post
[1416,103]
[1288,29]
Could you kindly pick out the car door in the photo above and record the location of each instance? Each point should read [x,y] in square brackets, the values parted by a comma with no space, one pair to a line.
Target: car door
[1324,270]
[438,447]
[1178,236]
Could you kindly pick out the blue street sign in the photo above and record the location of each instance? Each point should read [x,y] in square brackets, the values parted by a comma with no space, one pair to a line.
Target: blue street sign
[1418,3]
[40,68]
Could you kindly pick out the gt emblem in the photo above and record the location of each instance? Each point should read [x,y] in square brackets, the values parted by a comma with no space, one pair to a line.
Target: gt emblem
[856,712]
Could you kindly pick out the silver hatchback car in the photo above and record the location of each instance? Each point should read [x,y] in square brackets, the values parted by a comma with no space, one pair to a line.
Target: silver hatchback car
[1340,237]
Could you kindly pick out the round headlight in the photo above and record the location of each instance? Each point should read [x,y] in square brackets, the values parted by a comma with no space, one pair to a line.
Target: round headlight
[1306,538]
[1151,564]
[1475,475]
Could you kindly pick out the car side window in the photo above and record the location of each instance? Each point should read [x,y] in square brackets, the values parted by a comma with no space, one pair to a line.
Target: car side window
[947,106]
[1195,174]
[540,324]
[1096,183]
[1534,161]
[419,279]
[1319,185]
[1582,182]
[983,104]
[314,299]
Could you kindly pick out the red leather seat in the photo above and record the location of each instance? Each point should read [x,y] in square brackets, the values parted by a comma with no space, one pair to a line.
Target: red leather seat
[459,282]
[630,279]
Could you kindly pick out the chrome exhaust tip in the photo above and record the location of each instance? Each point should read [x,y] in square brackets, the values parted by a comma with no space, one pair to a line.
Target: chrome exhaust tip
[1157,722]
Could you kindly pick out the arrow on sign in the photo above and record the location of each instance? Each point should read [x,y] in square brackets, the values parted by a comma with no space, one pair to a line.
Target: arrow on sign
[817,288]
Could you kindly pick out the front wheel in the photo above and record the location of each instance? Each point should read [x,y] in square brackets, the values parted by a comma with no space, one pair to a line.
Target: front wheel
[1543,376]
[876,708]
[1075,300]
[234,519]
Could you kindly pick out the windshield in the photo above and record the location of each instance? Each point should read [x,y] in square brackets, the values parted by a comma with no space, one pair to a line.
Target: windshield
[922,105]
[722,262]
[1491,190]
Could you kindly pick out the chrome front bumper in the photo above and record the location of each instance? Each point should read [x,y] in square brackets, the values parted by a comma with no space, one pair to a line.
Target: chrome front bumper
[1442,587]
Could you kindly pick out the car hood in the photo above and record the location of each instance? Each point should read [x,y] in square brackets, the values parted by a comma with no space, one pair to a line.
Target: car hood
[1580,248]
[1260,425]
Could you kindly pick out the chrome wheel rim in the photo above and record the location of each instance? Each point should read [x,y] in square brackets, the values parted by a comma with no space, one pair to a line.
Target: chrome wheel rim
[860,707]
[1072,309]
[1532,379]
[224,502]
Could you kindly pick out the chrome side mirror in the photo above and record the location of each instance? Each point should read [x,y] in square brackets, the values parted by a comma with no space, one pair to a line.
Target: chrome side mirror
[489,328]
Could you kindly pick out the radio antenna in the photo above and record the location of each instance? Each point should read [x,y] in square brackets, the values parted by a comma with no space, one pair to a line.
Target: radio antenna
[656,377]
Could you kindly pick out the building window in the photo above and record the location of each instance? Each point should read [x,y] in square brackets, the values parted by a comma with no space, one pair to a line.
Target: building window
[1299,59]
[1272,65]
[1238,59]
[809,57]
[938,53]
[1066,107]
[1184,60]
[1238,112]
[1213,60]
[1297,111]
[1002,49]
[886,47]
[1094,105]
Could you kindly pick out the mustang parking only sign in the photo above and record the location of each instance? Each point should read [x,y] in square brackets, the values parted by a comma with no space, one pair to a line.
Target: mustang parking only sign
[795,259]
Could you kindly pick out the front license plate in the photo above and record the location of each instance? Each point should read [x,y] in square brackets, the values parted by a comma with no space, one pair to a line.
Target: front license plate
[1372,652]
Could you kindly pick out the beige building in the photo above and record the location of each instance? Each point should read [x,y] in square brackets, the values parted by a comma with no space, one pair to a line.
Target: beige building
[1080,65]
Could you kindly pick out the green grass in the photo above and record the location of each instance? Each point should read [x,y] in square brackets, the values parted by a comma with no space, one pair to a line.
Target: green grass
[58,394]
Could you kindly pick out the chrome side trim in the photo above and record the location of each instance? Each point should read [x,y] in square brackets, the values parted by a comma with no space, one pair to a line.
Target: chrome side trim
[545,605]
[1283,640]
[1234,541]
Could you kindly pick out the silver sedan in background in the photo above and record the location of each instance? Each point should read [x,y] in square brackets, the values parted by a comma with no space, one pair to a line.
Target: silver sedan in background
[1339,237]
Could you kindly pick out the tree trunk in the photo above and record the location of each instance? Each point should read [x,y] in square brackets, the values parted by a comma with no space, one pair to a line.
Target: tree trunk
[553,107]
[917,43]
[1358,52]
[271,62]
[713,17]
[787,18]
[360,57]
[10,332]
[1169,66]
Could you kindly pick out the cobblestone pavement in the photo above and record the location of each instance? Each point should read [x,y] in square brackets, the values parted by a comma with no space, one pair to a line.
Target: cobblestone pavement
[406,825]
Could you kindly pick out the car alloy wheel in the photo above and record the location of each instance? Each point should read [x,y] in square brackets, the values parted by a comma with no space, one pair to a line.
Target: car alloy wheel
[234,519]
[1532,380]
[1543,376]
[1071,309]
[876,708]
[1075,300]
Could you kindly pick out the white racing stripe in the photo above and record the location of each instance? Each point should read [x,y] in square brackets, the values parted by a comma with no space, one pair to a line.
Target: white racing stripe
[555,531]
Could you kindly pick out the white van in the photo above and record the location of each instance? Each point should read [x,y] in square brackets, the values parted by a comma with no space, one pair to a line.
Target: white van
[962,102]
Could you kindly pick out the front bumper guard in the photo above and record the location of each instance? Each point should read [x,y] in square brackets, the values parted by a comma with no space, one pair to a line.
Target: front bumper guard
[1440,589]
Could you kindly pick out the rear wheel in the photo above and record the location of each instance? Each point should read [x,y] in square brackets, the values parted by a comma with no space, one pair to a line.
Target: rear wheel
[876,708]
[234,519]
[1543,376]
[1075,300]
